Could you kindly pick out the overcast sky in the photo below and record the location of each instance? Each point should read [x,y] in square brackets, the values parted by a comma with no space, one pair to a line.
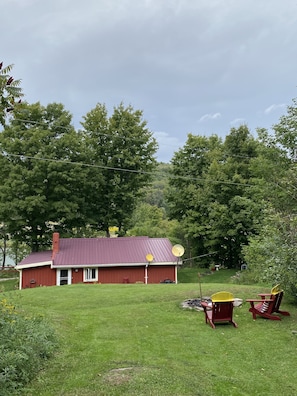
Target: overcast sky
[192,66]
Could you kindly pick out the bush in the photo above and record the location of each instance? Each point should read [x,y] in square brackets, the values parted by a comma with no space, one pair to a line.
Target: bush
[272,254]
[244,277]
[8,273]
[25,343]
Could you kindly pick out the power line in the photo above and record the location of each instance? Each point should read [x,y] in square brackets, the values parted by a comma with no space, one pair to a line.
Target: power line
[44,124]
[189,178]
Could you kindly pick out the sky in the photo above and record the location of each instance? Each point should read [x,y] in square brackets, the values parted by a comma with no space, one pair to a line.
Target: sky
[191,66]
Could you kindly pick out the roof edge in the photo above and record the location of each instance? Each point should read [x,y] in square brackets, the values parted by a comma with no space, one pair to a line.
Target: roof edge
[30,265]
[112,265]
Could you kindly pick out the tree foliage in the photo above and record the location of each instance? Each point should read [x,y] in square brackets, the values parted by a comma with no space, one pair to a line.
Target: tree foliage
[57,178]
[41,186]
[272,254]
[286,131]
[211,194]
[150,220]
[10,92]
[123,149]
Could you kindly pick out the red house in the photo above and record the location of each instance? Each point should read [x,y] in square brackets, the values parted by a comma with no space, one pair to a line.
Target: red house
[100,260]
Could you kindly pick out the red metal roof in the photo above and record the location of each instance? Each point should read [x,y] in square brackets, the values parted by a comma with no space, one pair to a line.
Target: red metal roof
[106,251]
[37,257]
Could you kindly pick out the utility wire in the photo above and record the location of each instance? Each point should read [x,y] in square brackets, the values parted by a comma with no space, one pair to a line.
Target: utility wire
[189,178]
[44,124]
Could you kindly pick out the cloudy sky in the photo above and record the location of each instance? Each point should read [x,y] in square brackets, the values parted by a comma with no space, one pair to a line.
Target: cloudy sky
[192,66]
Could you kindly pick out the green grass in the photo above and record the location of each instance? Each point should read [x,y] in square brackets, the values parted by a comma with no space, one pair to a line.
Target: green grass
[137,340]
[8,273]
[9,284]
[190,275]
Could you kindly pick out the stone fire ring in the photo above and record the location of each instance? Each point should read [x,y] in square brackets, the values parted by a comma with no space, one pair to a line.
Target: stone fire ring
[195,303]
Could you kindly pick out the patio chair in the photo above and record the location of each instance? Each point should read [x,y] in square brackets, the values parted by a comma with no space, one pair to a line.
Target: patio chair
[268,304]
[220,309]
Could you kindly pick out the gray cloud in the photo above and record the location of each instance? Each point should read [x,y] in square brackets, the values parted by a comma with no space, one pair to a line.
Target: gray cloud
[178,60]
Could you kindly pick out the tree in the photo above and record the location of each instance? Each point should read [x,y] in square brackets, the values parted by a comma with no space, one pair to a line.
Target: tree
[154,193]
[3,245]
[186,198]
[212,196]
[150,220]
[274,174]
[271,254]
[123,149]
[286,131]
[10,91]
[41,185]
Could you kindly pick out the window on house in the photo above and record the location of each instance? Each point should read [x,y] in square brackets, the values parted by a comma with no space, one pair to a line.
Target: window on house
[90,274]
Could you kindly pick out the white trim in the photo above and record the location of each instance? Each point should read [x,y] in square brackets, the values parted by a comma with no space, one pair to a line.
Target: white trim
[31,265]
[146,274]
[20,279]
[58,276]
[112,265]
[85,279]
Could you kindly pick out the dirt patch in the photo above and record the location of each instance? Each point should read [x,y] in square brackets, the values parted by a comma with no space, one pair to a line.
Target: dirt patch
[120,376]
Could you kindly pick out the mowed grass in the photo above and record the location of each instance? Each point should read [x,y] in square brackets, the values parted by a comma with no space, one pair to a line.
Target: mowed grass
[136,339]
[9,284]
[203,275]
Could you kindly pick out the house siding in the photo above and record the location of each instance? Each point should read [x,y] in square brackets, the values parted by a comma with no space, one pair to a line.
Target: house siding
[121,275]
[45,276]
[160,273]
[38,276]
[136,274]
[77,275]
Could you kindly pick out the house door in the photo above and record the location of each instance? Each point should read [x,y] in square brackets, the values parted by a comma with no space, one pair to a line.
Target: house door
[64,277]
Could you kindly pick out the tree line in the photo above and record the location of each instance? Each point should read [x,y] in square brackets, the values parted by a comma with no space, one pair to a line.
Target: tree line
[229,201]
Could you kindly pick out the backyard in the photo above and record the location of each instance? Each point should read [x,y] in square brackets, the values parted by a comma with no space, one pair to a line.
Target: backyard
[135,339]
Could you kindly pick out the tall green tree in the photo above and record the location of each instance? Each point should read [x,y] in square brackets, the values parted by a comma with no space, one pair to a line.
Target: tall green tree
[212,196]
[124,149]
[285,136]
[285,131]
[40,184]
[273,174]
[151,220]
[187,198]
[10,91]
[271,254]
[154,193]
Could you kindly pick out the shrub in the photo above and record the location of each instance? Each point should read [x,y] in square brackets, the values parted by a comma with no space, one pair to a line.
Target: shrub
[272,255]
[25,343]
[8,273]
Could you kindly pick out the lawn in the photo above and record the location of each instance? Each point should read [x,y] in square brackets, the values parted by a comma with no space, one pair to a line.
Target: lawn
[192,274]
[136,339]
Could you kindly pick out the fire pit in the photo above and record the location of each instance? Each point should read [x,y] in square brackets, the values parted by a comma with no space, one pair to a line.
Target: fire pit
[195,303]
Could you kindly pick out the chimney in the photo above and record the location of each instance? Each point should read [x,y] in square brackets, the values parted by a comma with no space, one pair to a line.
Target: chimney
[56,242]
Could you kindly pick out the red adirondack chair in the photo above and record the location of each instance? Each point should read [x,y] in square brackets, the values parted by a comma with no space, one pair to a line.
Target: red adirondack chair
[268,305]
[220,309]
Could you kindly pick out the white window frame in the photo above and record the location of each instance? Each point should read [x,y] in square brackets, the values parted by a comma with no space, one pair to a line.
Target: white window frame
[69,276]
[88,272]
